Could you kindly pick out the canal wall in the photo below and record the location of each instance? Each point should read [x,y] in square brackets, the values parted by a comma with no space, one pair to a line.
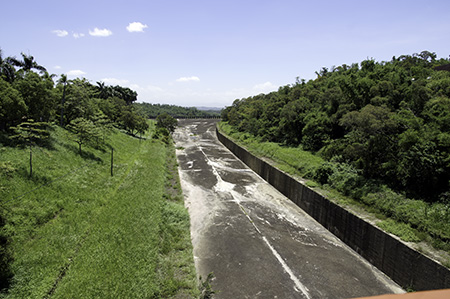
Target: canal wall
[406,266]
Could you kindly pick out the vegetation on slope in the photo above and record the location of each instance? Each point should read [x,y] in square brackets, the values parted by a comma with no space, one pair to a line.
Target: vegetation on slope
[153,110]
[74,230]
[101,213]
[381,129]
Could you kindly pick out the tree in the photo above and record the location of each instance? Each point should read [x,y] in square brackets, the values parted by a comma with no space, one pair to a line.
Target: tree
[133,121]
[292,120]
[317,130]
[63,81]
[7,71]
[166,121]
[369,139]
[78,103]
[27,63]
[113,108]
[38,95]
[102,124]
[12,105]
[30,133]
[83,131]
[102,90]
[142,125]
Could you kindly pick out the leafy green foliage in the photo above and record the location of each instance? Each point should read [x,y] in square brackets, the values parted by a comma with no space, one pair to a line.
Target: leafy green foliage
[52,223]
[153,110]
[167,122]
[388,120]
[30,133]
[403,230]
[73,230]
[382,127]
[12,105]
[134,122]
[83,131]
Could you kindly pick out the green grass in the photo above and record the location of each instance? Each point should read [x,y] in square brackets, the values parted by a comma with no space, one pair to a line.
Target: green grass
[402,230]
[289,159]
[411,220]
[89,235]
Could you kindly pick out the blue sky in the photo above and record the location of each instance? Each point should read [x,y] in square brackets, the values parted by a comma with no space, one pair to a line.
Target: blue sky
[209,53]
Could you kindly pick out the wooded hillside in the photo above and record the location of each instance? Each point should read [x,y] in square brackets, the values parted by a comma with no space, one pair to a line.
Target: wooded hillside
[385,121]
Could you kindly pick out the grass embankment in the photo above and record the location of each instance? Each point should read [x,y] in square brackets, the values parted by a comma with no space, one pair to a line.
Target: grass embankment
[412,220]
[75,231]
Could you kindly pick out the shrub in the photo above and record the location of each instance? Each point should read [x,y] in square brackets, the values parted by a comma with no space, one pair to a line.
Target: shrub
[403,230]
[346,179]
[323,173]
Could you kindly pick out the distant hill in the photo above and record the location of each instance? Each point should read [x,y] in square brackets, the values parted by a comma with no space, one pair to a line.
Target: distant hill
[153,110]
[209,108]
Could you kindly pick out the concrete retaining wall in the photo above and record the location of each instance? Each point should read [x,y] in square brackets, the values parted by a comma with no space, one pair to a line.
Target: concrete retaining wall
[406,266]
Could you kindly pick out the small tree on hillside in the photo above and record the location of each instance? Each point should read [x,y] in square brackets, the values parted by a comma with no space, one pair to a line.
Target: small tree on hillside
[83,131]
[166,121]
[29,133]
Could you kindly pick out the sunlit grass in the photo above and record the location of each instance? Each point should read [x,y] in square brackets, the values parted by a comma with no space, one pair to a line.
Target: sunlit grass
[293,160]
[411,220]
[87,234]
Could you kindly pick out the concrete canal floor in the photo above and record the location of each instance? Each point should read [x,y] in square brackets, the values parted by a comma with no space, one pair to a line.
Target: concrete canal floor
[257,243]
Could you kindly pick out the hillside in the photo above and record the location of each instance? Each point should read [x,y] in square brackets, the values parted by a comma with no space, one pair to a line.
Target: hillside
[153,110]
[74,230]
[382,132]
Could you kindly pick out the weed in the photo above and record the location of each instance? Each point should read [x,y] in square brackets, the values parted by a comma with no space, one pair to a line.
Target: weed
[403,230]
[205,287]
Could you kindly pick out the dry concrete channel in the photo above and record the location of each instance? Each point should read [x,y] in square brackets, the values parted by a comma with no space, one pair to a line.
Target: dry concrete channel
[256,242]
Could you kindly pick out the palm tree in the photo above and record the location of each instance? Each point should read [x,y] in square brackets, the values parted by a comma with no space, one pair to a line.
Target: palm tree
[7,70]
[102,90]
[27,63]
[63,81]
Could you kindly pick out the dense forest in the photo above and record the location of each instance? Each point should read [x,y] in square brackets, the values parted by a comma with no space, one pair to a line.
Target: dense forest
[153,110]
[76,104]
[28,91]
[382,122]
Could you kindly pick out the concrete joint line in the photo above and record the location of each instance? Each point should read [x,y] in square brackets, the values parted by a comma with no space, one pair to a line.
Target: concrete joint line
[299,287]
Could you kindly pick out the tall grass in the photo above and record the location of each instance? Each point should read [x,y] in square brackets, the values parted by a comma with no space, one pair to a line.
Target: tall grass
[80,233]
[411,220]
[289,159]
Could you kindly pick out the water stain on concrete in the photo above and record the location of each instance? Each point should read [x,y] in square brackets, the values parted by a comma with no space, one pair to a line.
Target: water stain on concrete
[257,243]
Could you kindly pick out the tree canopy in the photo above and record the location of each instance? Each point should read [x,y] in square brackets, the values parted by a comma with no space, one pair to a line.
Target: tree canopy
[389,120]
[25,94]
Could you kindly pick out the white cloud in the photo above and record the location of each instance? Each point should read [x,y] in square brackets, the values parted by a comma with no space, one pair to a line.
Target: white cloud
[57,67]
[265,87]
[75,73]
[187,79]
[100,32]
[115,81]
[136,27]
[78,35]
[60,33]
[154,89]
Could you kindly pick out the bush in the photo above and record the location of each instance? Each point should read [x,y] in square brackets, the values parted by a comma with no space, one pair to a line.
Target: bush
[346,179]
[323,173]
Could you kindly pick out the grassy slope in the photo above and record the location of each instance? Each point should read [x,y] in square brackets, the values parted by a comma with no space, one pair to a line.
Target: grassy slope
[88,234]
[290,160]
[302,163]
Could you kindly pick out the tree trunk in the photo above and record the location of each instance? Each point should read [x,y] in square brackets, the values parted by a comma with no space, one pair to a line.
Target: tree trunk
[31,162]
